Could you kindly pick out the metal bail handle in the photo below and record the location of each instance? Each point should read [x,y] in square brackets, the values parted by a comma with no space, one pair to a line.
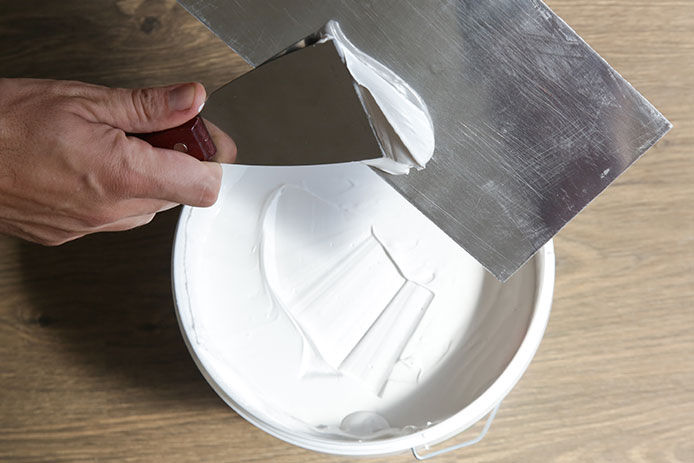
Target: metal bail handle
[452,448]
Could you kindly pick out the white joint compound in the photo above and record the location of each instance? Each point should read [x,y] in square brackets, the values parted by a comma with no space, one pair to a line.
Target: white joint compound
[331,313]
[398,115]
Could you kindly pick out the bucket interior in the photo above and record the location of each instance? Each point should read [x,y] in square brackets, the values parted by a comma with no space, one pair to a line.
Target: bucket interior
[324,307]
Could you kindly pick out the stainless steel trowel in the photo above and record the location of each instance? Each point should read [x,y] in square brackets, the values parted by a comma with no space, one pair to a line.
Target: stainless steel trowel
[530,123]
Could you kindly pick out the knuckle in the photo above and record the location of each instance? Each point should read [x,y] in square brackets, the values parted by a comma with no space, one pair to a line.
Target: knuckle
[72,94]
[56,238]
[90,221]
[71,104]
[143,220]
[144,102]
[233,152]
[68,87]
[107,217]
[42,240]
[57,241]
[209,191]
[98,219]
[234,149]
[76,105]
[120,177]
[77,98]
[147,219]
[134,222]
[61,87]
[122,180]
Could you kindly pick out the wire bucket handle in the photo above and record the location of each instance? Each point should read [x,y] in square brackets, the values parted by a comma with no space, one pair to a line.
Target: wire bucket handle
[421,457]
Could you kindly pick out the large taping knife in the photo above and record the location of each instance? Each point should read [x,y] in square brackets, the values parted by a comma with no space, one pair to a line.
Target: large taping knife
[530,123]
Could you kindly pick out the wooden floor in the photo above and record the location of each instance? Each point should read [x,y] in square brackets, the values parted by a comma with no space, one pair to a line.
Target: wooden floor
[92,367]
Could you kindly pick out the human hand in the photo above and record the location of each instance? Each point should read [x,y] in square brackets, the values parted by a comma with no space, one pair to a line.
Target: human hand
[68,167]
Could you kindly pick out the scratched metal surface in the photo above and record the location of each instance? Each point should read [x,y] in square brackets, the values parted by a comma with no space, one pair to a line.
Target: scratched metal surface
[265,112]
[531,124]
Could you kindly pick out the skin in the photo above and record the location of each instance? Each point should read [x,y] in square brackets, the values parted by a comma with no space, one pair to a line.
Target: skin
[69,168]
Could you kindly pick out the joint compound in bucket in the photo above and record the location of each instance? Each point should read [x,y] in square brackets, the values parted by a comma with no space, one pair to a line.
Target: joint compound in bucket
[352,305]
[330,312]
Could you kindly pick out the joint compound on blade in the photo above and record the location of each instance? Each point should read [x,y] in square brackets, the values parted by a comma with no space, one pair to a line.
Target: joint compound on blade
[398,115]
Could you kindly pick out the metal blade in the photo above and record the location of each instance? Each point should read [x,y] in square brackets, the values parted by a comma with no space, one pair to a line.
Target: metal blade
[531,124]
[278,114]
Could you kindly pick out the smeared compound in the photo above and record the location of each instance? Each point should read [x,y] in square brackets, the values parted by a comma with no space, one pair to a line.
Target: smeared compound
[398,115]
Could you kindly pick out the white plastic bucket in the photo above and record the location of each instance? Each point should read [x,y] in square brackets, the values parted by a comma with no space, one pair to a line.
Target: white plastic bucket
[497,342]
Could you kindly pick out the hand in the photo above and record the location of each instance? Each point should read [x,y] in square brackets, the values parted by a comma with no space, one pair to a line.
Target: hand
[68,168]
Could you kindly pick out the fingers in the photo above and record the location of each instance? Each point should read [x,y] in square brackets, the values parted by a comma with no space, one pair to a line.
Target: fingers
[154,109]
[84,174]
[155,173]
[165,174]
[144,110]
[226,148]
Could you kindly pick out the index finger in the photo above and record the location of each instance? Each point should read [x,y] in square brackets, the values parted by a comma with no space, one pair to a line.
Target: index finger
[172,176]
[226,148]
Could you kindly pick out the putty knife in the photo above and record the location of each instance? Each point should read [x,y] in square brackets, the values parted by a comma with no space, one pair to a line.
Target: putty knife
[530,123]
[277,114]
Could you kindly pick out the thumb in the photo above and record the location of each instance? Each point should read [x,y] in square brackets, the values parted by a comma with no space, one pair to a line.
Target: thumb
[143,110]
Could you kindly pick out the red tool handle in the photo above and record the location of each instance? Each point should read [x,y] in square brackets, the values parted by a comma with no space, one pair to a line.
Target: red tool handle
[190,137]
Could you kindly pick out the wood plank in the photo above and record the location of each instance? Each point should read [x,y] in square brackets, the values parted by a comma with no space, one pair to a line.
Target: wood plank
[93,365]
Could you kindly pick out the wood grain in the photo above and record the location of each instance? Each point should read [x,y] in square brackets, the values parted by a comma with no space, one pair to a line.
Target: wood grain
[94,369]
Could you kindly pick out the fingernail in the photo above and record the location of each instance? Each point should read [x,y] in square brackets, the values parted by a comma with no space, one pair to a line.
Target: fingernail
[182,97]
[201,106]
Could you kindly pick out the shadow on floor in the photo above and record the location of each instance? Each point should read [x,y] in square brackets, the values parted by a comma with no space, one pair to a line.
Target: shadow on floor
[106,299]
